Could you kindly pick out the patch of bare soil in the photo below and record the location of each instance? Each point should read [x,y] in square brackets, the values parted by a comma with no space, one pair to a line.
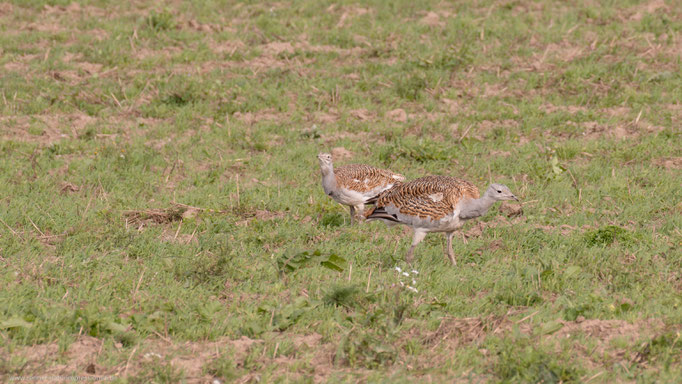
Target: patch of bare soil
[203,27]
[341,153]
[43,129]
[263,115]
[637,12]
[347,12]
[594,130]
[328,117]
[176,212]
[362,114]
[259,214]
[73,9]
[604,332]
[453,333]
[69,188]
[511,209]
[669,162]
[80,358]
[607,330]
[486,127]
[435,19]
[6,8]
[398,115]
[192,358]
[499,221]
[572,109]
[354,136]
[143,53]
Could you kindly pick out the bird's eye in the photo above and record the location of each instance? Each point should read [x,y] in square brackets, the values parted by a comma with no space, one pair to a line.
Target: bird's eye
[499,191]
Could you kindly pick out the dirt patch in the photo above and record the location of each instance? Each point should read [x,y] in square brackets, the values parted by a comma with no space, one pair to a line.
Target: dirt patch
[69,188]
[456,332]
[43,129]
[362,114]
[572,109]
[510,209]
[435,19]
[262,115]
[486,127]
[259,214]
[80,356]
[639,11]
[347,13]
[192,358]
[6,8]
[326,117]
[176,212]
[607,330]
[398,115]
[203,27]
[275,48]
[595,130]
[341,153]
[669,162]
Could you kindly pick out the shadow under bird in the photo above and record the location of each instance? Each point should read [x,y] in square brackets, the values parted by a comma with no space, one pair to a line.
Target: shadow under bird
[355,184]
[436,204]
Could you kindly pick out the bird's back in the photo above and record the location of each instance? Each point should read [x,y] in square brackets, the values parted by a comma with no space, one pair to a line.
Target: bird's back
[428,197]
[365,178]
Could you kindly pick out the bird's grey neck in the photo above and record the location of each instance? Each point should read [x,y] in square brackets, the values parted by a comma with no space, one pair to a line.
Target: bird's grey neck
[476,207]
[328,179]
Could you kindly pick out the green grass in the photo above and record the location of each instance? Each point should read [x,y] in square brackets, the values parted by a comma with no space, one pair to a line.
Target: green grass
[114,118]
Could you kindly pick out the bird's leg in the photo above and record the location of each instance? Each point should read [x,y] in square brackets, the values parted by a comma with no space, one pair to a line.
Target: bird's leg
[417,237]
[449,253]
[360,209]
[352,214]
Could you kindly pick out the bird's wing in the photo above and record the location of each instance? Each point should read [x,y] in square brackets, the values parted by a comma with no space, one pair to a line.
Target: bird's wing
[430,196]
[365,178]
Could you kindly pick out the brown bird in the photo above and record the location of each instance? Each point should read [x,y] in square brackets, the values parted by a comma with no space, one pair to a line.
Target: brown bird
[355,184]
[436,204]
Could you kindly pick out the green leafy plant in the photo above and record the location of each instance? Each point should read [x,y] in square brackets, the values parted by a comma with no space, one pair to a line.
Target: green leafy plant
[293,261]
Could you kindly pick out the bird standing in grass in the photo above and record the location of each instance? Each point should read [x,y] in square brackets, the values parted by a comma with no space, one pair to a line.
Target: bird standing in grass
[355,184]
[436,204]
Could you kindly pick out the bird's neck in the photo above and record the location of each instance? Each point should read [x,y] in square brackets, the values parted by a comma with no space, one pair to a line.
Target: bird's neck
[328,178]
[476,207]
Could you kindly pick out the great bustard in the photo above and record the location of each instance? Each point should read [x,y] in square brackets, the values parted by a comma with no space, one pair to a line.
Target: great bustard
[436,204]
[355,184]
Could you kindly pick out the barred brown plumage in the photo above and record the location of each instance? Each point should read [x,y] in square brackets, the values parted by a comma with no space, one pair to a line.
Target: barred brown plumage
[364,178]
[435,204]
[355,184]
[430,196]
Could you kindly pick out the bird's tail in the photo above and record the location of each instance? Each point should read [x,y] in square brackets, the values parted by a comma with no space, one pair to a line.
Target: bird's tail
[379,213]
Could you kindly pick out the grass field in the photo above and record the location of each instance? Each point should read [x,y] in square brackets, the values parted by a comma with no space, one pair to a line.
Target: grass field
[162,218]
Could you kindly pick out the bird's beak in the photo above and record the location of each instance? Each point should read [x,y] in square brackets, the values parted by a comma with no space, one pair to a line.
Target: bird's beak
[515,198]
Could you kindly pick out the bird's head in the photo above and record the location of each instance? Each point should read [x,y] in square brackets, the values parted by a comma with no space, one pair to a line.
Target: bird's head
[500,192]
[325,161]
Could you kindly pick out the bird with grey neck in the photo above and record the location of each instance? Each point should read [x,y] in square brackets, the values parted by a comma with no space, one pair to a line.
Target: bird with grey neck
[355,185]
[436,204]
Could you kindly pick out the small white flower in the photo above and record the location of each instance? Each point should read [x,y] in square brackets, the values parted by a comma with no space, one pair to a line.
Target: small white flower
[406,274]
[402,284]
[414,282]
[413,289]
[415,272]
[398,269]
